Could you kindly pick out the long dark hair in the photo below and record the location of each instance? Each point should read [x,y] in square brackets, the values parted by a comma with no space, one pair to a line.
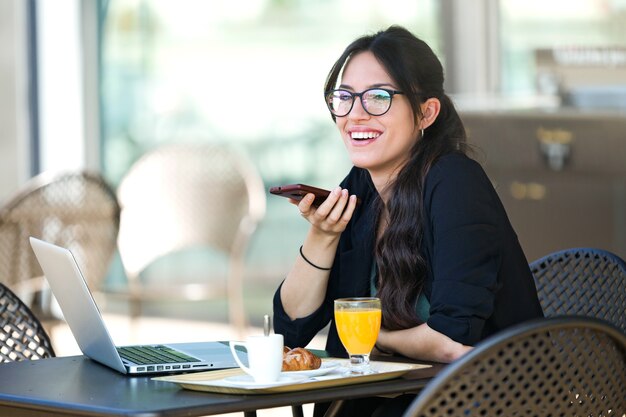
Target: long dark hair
[417,71]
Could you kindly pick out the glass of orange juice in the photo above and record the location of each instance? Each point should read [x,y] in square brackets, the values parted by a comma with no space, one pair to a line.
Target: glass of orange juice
[358,323]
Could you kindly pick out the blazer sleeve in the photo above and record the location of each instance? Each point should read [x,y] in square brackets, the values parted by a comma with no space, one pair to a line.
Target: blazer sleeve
[299,332]
[462,213]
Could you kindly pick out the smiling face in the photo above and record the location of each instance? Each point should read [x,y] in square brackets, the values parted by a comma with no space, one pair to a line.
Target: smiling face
[380,144]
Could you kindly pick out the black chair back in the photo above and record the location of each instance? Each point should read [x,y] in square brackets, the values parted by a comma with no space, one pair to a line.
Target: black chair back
[582,281]
[22,336]
[562,366]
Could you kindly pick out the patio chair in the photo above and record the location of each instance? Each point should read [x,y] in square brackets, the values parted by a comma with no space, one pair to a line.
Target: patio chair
[189,197]
[74,209]
[22,337]
[562,366]
[582,281]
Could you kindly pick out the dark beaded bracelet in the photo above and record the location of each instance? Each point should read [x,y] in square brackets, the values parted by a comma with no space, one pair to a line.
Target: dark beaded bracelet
[311,263]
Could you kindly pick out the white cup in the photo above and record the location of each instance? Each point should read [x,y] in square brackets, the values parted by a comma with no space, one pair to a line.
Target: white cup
[265,357]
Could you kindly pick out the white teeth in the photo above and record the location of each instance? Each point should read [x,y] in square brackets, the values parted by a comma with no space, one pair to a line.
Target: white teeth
[364,135]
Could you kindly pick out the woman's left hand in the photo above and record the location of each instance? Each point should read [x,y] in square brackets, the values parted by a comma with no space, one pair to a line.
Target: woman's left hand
[421,342]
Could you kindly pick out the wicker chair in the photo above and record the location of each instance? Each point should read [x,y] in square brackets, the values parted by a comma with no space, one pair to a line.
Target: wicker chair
[22,337]
[582,281]
[184,197]
[565,366]
[75,209]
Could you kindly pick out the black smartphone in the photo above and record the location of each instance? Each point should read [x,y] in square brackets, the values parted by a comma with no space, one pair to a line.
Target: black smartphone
[298,191]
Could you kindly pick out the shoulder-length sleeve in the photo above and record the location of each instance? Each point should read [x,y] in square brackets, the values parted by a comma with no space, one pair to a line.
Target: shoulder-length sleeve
[462,235]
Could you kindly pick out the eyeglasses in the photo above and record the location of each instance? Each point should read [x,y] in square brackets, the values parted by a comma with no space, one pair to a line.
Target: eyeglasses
[375,101]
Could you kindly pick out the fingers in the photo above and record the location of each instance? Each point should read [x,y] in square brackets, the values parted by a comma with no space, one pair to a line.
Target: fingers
[347,213]
[333,214]
[305,205]
[325,208]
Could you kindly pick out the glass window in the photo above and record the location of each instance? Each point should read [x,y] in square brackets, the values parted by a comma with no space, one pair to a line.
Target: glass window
[196,69]
[528,27]
[249,72]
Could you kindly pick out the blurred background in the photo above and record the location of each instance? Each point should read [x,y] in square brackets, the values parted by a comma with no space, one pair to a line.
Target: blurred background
[95,84]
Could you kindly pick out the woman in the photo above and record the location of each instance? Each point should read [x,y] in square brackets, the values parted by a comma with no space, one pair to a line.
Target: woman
[430,236]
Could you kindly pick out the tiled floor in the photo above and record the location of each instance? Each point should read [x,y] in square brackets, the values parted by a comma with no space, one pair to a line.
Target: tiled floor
[163,330]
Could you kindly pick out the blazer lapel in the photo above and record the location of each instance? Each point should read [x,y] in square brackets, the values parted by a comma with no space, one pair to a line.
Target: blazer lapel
[356,256]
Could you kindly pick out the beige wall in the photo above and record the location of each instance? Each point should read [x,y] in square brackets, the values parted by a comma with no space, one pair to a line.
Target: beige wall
[14,163]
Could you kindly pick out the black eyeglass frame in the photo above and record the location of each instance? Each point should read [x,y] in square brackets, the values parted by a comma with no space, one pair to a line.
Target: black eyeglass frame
[360,96]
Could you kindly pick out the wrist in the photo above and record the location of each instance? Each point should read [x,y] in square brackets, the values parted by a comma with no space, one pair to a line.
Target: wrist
[321,239]
[314,265]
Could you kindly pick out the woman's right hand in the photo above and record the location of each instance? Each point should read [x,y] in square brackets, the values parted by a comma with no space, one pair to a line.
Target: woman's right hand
[332,216]
[304,289]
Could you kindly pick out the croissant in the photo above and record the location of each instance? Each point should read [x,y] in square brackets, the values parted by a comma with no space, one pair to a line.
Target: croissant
[299,359]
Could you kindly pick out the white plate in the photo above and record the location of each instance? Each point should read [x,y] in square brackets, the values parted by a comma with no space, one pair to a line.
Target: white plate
[246,381]
[325,368]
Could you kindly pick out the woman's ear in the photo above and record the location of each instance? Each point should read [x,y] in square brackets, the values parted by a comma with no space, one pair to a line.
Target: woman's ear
[430,111]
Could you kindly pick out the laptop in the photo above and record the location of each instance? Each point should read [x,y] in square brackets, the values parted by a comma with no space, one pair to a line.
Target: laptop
[85,321]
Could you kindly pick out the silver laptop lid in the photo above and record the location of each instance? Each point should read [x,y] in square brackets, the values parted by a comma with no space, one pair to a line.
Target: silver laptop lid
[77,304]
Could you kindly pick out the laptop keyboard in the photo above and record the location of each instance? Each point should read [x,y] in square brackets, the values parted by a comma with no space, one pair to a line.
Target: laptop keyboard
[144,355]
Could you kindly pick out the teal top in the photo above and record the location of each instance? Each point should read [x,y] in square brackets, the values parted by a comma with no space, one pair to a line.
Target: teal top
[422,305]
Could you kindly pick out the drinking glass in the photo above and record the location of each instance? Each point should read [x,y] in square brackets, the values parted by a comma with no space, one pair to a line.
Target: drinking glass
[358,323]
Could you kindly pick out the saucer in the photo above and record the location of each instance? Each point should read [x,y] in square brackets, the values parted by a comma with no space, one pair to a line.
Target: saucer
[247,381]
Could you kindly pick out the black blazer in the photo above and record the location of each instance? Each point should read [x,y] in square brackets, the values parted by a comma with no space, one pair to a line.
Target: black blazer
[478,280]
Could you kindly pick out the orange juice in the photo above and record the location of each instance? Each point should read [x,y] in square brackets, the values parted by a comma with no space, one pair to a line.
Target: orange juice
[358,329]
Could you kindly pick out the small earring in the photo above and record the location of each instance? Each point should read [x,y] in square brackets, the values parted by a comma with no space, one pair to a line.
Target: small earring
[422,130]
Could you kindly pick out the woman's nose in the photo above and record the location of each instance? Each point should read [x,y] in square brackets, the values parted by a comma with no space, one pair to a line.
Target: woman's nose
[358,112]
